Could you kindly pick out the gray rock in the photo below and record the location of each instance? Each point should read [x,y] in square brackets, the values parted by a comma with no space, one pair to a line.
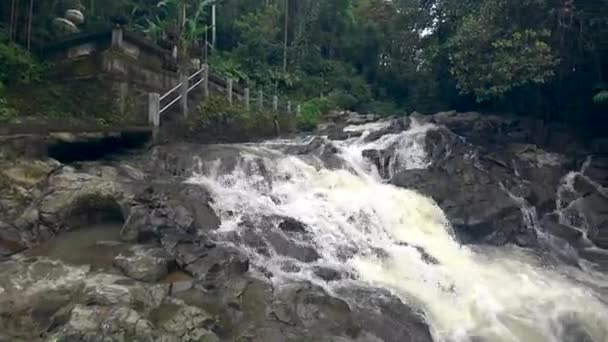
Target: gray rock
[34,295]
[550,223]
[598,170]
[145,263]
[88,323]
[385,316]
[74,199]
[284,246]
[292,225]
[302,305]
[187,322]
[212,264]
[327,274]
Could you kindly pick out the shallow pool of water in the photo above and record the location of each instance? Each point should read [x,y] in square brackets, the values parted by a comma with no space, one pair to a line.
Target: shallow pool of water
[95,245]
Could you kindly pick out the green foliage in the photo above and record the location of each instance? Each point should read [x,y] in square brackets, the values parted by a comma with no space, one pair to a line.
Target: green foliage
[215,116]
[601,98]
[7,112]
[507,61]
[371,55]
[18,66]
[311,113]
[228,66]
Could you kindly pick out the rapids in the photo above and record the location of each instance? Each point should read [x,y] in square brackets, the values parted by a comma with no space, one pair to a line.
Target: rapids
[378,235]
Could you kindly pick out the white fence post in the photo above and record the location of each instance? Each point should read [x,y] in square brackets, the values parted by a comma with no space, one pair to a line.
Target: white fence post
[247,99]
[275,103]
[117,37]
[298,110]
[230,85]
[206,81]
[289,107]
[260,99]
[184,93]
[154,109]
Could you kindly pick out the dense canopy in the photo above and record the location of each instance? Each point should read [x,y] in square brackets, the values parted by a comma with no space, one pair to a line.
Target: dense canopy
[545,58]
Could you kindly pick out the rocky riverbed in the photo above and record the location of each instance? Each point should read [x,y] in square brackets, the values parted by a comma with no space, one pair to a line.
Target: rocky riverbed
[314,238]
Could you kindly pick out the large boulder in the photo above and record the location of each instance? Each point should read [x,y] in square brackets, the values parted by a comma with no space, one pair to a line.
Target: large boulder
[473,191]
[169,206]
[187,322]
[121,323]
[36,295]
[71,196]
[145,263]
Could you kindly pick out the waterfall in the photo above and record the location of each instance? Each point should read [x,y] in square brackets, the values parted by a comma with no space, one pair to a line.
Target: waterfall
[374,234]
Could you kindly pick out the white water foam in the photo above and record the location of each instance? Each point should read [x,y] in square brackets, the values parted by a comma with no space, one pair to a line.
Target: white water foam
[471,294]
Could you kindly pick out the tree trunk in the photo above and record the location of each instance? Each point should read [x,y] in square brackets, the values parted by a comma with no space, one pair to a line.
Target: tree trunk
[29,25]
[286,36]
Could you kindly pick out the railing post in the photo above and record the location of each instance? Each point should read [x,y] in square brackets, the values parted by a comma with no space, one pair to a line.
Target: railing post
[117,37]
[206,80]
[247,99]
[230,83]
[260,99]
[275,103]
[289,107]
[184,92]
[298,110]
[154,109]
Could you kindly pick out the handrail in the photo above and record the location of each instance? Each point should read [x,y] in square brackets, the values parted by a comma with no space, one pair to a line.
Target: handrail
[170,91]
[170,104]
[191,82]
[196,84]
[196,73]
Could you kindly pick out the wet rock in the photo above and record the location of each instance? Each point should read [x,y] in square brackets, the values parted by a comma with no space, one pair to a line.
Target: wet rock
[583,185]
[396,126]
[292,225]
[339,134]
[187,322]
[327,273]
[309,307]
[385,316]
[479,212]
[318,147]
[145,263]
[595,209]
[380,159]
[284,246]
[290,267]
[33,295]
[88,323]
[169,207]
[112,290]
[10,243]
[597,256]
[598,170]
[213,265]
[74,199]
[550,223]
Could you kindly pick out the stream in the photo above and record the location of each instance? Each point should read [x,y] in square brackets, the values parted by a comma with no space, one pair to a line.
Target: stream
[357,229]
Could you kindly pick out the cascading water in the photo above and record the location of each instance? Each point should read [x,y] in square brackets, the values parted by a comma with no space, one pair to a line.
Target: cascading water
[378,235]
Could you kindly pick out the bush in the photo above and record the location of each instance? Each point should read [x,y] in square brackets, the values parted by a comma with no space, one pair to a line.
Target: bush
[601,98]
[220,120]
[311,112]
[7,112]
[18,66]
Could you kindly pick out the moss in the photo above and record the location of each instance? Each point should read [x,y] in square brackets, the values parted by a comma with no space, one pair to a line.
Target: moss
[91,102]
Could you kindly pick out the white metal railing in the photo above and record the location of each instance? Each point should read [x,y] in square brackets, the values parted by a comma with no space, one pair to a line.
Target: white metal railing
[187,84]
